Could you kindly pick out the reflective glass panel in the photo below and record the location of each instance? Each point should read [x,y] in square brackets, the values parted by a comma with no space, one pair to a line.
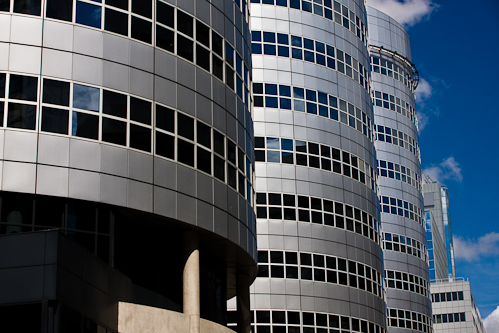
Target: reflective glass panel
[21,116]
[185,23]
[140,137]
[140,110]
[141,29]
[60,9]
[86,98]
[165,38]
[165,145]
[31,7]
[55,120]
[123,4]
[2,85]
[4,5]
[114,104]
[116,21]
[165,118]
[88,14]
[165,14]
[142,7]
[56,92]
[114,131]
[85,125]
[23,87]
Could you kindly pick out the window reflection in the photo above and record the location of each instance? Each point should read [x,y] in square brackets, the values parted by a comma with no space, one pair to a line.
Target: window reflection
[31,7]
[85,125]
[21,116]
[88,14]
[85,98]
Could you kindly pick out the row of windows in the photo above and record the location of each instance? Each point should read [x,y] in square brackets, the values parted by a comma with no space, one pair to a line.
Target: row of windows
[390,102]
[314,155]
[399,172]
[285,97]
[311,51]
[289,207]
[330,9]
[399,243]
[447,297]
[319,268]
[99,114]
[449,318]
[391,69]
[401,207]
[408,282]
[398,138]
[409,320]
[275,321]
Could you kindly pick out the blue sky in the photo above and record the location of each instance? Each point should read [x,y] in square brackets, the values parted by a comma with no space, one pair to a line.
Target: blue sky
[455,47]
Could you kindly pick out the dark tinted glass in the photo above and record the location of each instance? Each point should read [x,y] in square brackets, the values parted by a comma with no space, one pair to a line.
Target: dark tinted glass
[115,21]
[165,14]
[2,85]
[23,87]
[202,34]
[216,43]
[184,47]
[219,145]
[88,14]
[217,67]
[165,118]
[60,9]
[4,5]
[165,145]
[21,116]
[203,57]
[165,38]
[55,120]
[185,126]
[31,7]
[1,113]
[185,152]
[85,125]
[204,135]
[123,4]
[114,131]
[204,160]
[140,137]
[184,23]
[141,29]
[140,110]
[55,92]
[114,104]
[142,7]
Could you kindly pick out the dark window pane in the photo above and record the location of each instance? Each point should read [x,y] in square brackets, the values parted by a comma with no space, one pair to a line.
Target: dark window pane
[204,135]
[165,38]
[204,160]
[23,87]
[142,7]
[184,23]
[231,176]
[140,137]
[216,43]
[1,113]
[114,131]
[88,14]
[2,84]
[141,29]
[4,5]
[115,21]
[184,47]
[202,34]
[114,104]
[219,166]
[123,4]
[185,152]
[219,143]
[140,110]
[86,98]
[60,9]
[55,120]
[55,92]
[165,145]
[203,57]
[165,118]
[185,126]
[217,67]
[165,14]
[31,7]
[229,77]
[21,116]
[85,125]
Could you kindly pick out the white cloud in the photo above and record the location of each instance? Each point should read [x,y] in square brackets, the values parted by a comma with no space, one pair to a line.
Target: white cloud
[422,121]
[424,90]
[491,323]
[407,12]
[448,169]
[472,249]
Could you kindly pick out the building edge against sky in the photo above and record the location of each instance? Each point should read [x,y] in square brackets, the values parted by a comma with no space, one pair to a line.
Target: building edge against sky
[125,125]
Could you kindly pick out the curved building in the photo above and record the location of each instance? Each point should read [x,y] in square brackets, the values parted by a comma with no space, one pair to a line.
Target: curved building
[125,125]
[319,255]
[394,79]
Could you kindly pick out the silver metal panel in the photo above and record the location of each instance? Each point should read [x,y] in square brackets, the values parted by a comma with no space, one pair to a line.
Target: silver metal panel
[114,160]
[26,30]
[141,83]
[24,59]
[20,146]
[116,48]
[5,27]
[58,35]
[165,202]
[19,177]
[4,56]
[87,69]
[84,155]
[52,181]
[88,41]
[113,190]
[140,166]
[187,180]
[84,185]
[57,64]
[140,196]
[115,76]
[165,173]
[141,56]
[53,150]
[186,208]
[166,65]
[205,215]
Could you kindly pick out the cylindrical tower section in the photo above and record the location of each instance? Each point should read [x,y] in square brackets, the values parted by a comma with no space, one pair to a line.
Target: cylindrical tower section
[394,79]
[125,124]
[320,262]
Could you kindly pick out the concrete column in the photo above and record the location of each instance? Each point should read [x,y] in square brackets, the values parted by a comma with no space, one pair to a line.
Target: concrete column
[243,303]
[191,293]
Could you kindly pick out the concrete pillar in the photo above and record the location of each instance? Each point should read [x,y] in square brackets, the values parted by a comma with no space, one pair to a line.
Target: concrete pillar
[191,293]
[243,303]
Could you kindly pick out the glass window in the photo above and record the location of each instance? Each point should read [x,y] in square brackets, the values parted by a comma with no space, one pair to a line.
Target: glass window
[165,38]
[23,87]
[204,160]
[31,7]
[142,7]
[85,125]
[1,113]
[216,43]
[55,92]
[185,152]
[165,14]
[141,29]
[202,34]
[4,5]
[184,48]
[165,145]
[217,67]
[165,118]
[60,9]
[86,98]
[185,23]
[114,104]
[122,4]
[219,143]
[21,116]
[140,137]
[116,21]
[2,85]
[203,134]
[55,120]
[88,14]
[140,110]
[114,131]
[203,57]
[185,126]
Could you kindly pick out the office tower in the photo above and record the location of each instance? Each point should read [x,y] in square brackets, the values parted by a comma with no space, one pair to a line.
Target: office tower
[320,262]
[394,79]
[437,210]
[126,127]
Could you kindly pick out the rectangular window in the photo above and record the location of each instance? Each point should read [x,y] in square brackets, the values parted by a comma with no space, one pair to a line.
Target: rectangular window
[21,116]
[59,9]
[141,30]
[114,131]
[56,92]
[116,21]
[31,7]
[85,125]
[23,87]
[55,120]
[87,14]
[140,137]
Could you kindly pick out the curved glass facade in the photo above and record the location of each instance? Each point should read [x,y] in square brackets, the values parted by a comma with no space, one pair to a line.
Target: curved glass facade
[394,80]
